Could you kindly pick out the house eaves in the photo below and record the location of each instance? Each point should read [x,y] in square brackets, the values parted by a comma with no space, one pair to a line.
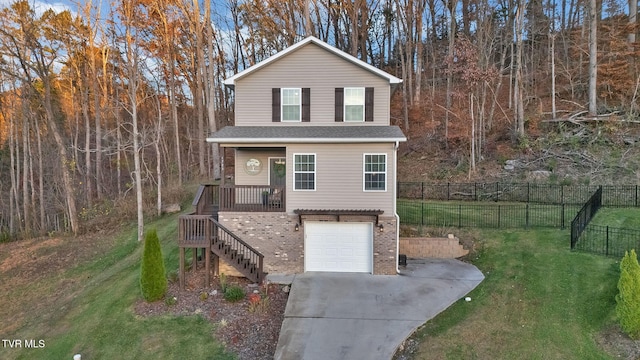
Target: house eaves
[307,134]
[230,82]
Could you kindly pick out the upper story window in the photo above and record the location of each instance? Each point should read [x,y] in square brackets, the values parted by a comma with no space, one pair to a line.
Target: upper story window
[375,172]
[304,171]
[354,104]
[291,104]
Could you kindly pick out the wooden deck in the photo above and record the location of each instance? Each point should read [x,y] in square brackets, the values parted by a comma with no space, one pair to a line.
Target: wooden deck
[201,230]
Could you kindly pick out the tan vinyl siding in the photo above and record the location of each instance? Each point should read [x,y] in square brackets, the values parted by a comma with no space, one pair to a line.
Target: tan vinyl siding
[262,178]
[308,67]
[339,178]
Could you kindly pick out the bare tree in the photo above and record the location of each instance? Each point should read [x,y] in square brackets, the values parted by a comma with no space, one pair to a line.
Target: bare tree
[132,57]
[34,44]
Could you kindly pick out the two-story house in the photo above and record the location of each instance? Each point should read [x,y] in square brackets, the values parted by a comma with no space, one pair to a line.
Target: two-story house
[314,185]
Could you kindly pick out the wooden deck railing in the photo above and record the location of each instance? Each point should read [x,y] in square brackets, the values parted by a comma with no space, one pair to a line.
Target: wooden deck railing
[253,198]
[203,231]
[207,199]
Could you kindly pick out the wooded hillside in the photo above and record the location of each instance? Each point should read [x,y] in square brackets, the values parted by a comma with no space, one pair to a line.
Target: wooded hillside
[100,104]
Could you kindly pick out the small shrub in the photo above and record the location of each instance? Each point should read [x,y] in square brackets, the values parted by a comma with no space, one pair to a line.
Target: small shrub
[153,281]
[223,283]
[170,300]
[628,298]
[203,296]
[173,276]
[258,303]
[4,237]
[234,294]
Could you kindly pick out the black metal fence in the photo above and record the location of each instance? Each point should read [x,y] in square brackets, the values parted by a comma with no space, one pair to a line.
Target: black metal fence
[434,214]
[584,216]
[607,240]
[532,193]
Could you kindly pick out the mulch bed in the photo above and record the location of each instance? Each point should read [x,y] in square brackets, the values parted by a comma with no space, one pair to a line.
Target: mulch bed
[249,328]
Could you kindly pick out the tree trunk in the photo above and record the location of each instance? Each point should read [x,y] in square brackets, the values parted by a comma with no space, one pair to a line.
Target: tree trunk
[13,193]
[25,165]
[518,86]
[552,39]
[633,15]
[40,176]
[449,94]
[593,58]
[211,98]
[156,146]
[64,159]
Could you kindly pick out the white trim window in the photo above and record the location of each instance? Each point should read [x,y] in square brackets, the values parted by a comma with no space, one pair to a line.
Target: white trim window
[375,172]
[304,171]
[291,108]
[354,104]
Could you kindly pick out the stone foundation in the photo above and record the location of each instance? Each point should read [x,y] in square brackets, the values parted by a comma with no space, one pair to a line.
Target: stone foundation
[444,248]
[274,235]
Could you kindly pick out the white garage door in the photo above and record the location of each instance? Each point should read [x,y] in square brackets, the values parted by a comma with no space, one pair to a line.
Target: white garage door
[338,246]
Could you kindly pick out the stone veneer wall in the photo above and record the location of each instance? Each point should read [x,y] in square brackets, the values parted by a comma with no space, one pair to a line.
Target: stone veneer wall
[274,235]
[422,247]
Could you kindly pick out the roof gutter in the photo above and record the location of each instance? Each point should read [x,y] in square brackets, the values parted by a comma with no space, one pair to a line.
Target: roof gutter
[303,140]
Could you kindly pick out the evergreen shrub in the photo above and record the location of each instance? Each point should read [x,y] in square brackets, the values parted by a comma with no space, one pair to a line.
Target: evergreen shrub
[153,281]
[628,298]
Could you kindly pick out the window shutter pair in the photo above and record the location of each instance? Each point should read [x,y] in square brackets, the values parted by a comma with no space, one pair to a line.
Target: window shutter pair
[275,105]
[368,104]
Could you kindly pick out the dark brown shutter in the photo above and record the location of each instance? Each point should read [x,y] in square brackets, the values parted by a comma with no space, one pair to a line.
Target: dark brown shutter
[275,104]
[339,104]
[368,104]
[306,104]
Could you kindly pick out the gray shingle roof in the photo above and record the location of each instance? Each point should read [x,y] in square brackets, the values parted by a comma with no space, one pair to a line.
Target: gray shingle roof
[320,134]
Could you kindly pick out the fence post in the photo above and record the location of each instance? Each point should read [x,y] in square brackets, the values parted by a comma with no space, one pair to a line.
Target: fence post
[562,218]
[528,191]
[422,213]
[448,191]
[459,215]
[562,194]
[422,190]
[527,216]
[498,216]
[475,191]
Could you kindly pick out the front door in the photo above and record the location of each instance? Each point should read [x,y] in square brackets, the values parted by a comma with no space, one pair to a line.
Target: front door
[277,172]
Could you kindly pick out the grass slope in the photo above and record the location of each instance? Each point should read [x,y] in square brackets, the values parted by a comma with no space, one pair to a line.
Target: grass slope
[538,301]
[98,321]
[624,218]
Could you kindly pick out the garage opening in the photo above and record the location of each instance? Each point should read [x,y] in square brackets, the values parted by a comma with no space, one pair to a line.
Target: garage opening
[338,246]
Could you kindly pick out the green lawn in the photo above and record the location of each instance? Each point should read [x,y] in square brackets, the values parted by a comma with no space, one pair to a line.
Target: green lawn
[98,320]
[625,218]
[611,232]
[539,301]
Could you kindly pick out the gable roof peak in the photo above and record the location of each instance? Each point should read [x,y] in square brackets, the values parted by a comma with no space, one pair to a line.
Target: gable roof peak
[231,81]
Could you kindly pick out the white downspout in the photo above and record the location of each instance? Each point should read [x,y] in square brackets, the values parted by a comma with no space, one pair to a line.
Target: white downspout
[395,210]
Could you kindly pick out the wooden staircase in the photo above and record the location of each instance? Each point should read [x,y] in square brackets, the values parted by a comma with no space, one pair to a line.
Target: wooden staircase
[202,230]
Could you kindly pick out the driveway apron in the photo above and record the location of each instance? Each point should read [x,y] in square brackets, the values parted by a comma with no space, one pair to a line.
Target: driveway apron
[361,316]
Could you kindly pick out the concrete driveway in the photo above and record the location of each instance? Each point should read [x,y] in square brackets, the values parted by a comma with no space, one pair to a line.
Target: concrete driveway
[359,316]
